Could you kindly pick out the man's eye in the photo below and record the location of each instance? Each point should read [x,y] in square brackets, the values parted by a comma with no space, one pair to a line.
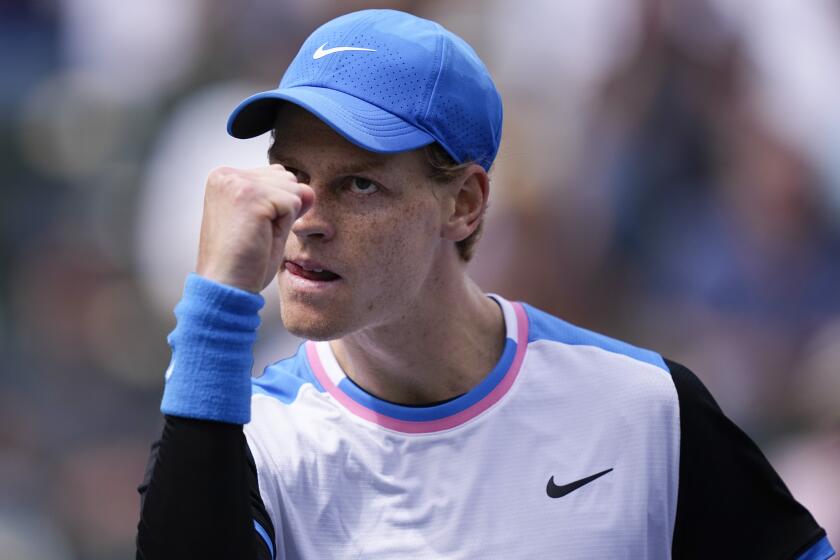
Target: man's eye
[360,185]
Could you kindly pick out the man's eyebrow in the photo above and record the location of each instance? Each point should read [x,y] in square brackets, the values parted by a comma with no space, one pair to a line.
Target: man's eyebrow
[344,168]
[357,166]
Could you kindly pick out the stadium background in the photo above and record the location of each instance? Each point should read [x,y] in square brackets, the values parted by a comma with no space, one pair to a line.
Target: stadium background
[669,175]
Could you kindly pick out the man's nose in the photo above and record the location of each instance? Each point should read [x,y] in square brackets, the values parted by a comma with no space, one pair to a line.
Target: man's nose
[315,224]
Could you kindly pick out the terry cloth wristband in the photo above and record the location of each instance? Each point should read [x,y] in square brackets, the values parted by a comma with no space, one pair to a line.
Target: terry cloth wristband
[209,376]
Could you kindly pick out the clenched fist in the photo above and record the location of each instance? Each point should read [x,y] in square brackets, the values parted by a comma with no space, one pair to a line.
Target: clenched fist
[248,214]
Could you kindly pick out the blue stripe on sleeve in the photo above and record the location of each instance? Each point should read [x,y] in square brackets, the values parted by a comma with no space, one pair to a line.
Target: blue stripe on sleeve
[547,327]
[282,380]
[209,377]
[264,534]
[820,551]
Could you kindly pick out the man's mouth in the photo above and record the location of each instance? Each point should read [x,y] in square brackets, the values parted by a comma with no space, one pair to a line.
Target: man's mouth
[310,271]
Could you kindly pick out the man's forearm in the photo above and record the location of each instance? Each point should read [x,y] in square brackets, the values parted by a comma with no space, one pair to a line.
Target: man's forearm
[197,494]
[195,499]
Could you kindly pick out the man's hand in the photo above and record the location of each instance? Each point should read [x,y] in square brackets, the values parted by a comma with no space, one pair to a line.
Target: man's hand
[247,216]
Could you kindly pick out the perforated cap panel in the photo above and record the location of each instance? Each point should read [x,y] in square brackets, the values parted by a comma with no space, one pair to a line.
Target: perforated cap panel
[399,66]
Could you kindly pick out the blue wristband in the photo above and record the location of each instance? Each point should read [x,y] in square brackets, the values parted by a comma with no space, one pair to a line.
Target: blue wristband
[209,376]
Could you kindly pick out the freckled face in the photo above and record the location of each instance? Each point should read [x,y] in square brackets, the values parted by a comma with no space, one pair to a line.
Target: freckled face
[375,224]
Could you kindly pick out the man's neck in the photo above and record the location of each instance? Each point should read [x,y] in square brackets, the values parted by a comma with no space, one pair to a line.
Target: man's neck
[442,347]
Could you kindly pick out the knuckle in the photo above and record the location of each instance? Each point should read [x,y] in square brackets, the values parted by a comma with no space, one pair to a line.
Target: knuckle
[287,203]
[219,174]
[243,190]
[283,173]
[222,178]
[232,184]
[296,204]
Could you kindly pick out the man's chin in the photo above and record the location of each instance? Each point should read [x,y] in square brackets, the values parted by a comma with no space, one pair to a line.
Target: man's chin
[311,325]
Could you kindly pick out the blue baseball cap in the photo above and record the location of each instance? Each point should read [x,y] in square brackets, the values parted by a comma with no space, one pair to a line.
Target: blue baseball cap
[388,82]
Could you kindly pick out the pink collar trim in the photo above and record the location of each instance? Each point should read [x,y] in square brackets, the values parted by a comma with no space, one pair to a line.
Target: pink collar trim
[513,312]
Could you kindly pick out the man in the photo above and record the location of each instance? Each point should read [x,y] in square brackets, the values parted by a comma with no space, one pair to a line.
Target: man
[422,418]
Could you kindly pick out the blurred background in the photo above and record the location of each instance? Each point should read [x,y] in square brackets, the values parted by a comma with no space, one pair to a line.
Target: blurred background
[669,176]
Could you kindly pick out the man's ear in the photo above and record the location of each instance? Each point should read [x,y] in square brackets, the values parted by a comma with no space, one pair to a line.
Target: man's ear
[469,193]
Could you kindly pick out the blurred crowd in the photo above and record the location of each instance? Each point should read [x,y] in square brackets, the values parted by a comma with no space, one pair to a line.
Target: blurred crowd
[669,175]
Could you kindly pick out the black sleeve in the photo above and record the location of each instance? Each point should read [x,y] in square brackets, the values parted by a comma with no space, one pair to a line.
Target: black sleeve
[731,503]
[200,497]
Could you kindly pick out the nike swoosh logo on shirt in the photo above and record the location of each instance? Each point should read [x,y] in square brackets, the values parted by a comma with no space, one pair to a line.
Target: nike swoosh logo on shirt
[322,52]
[555,491]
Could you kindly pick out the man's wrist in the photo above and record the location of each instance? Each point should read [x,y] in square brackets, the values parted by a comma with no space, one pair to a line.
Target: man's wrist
[209,376]
[249,285]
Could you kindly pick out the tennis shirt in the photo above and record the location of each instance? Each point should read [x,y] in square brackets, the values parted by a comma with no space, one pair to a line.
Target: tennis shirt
[574,446]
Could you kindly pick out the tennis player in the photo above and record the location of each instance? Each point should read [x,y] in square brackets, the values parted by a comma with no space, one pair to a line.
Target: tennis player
[421,418]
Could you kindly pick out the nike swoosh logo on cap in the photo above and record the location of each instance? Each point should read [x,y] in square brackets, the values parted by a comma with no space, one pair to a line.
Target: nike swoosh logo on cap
[322,52]
[555,491]
[169,370]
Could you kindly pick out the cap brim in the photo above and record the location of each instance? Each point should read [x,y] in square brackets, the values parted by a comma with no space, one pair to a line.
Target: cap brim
[358,121]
